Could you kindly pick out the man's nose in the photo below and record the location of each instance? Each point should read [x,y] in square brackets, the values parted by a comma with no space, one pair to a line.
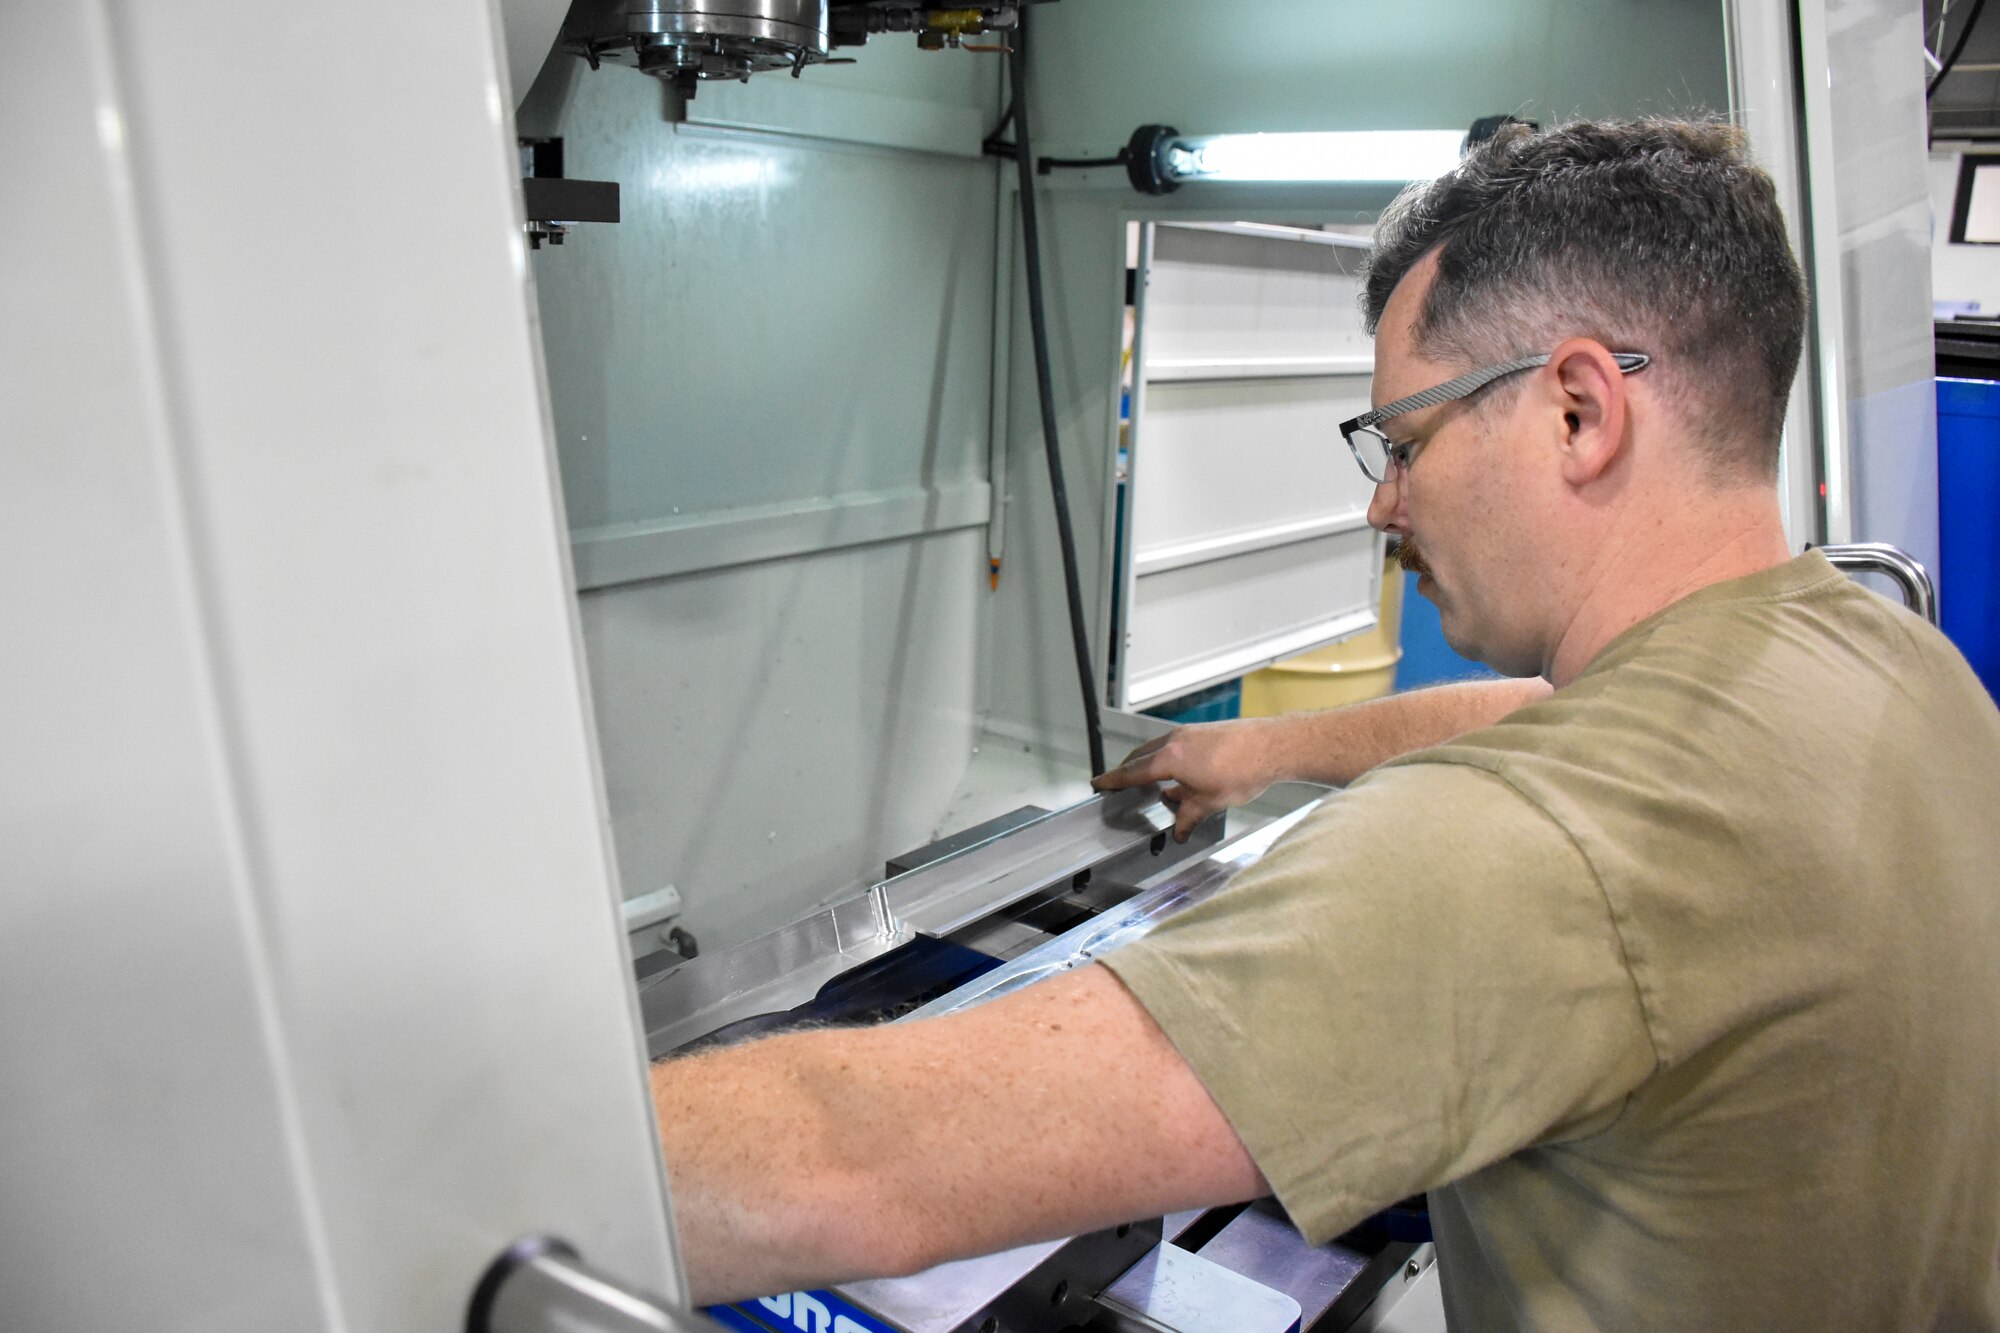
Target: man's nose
[1385,507]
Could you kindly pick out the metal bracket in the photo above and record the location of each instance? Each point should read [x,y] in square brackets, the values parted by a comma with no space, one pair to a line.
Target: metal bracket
[539,1285]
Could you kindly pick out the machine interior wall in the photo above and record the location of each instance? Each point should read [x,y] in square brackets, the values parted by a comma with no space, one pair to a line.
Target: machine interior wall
[1107,66]
[771,388]
[1104,67]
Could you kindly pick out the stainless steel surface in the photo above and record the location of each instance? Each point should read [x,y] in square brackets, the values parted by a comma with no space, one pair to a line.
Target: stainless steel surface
[777,19]
[726,39]
[690,40]
[778,970]
[1171,1289]
[552,1291]
[945,1297]
[1905,570]
[941,897]
[939,848]
[1179,888]
[1265,1247]
[1035,1287]
[1121,834]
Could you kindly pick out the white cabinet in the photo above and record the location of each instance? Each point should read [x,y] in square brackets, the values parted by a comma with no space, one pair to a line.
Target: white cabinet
[1246,536]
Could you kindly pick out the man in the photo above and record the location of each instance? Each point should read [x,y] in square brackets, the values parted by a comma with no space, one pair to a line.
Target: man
[1668,969]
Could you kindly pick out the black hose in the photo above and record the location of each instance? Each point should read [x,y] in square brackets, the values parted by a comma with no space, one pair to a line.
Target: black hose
[1957,49]
[1031,249]
[993,145]
[1048,164]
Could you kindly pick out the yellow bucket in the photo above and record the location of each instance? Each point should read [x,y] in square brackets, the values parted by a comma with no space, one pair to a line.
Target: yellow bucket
[1363,667]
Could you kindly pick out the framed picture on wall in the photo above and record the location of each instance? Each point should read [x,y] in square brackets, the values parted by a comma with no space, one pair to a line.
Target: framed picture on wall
[1975,218]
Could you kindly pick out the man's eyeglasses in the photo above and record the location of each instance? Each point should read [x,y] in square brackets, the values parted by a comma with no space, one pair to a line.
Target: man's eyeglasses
[1381,459]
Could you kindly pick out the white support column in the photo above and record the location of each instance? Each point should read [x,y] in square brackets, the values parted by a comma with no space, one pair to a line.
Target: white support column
[1831,92]
[1826,349]
[1767,101]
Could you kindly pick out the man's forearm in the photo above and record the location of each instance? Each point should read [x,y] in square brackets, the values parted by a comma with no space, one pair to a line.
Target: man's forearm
[770,1170]
[1338,746]
[835,1154]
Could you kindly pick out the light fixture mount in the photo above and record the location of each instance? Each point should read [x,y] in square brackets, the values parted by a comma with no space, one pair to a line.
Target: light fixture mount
[1148,159]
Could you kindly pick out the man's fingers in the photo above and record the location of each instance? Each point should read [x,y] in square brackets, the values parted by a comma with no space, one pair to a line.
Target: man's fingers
[1142,765]
[1189,810]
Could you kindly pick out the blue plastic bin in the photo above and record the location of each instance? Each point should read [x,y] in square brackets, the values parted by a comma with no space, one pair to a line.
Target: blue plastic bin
[1217,703]
[1969,521]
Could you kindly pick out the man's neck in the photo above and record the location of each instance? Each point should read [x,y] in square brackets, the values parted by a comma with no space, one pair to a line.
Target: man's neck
[1649,564]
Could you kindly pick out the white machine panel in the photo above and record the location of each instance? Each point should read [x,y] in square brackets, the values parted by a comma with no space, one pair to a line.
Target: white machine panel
[1246,461]
[313,993]
[1215,620]
[1247,537]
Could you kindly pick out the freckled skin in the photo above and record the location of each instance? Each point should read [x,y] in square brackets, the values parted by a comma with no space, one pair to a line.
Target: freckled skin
[837,1154]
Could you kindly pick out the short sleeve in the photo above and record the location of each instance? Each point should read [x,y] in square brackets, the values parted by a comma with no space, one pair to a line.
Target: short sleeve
[1419,980]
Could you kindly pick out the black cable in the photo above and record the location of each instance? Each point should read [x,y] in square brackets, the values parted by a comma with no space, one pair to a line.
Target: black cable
[993,145]
[1049,163]
[1031,251]
[1957,49]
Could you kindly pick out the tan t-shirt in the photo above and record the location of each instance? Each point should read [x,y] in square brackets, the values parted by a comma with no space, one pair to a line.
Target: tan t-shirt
[1679,991]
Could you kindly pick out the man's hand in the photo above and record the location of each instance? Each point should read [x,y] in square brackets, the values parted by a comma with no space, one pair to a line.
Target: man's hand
[1206,766]
[1212,766]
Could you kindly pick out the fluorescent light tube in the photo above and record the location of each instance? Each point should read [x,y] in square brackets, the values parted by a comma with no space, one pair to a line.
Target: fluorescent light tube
[1343,155]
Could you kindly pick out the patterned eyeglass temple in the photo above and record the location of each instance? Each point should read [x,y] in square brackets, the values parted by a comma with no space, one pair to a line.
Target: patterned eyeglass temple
[1471,382]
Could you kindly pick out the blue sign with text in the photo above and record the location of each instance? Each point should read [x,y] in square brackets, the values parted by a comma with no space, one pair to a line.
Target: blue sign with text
[798,1312]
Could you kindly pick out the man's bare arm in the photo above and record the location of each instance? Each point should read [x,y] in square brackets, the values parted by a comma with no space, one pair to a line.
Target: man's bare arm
[833,1155]
[1213,766]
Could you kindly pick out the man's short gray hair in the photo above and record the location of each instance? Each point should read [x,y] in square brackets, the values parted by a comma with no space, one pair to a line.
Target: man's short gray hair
[1654,236]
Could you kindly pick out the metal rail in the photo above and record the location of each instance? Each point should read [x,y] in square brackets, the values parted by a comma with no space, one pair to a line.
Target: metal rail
[539,1285]
[1904,569]
[1123,835]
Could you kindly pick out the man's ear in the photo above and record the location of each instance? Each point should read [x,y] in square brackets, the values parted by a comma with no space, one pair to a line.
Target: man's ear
[1591,393]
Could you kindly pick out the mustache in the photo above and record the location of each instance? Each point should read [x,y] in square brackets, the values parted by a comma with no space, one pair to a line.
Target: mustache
[1411,557]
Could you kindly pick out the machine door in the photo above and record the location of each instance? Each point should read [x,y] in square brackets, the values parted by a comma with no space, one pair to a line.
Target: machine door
[1246,537]
[313,988]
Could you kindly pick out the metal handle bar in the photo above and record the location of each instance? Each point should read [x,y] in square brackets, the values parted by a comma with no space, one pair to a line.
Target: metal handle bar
[539,1285]
[1899,565]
